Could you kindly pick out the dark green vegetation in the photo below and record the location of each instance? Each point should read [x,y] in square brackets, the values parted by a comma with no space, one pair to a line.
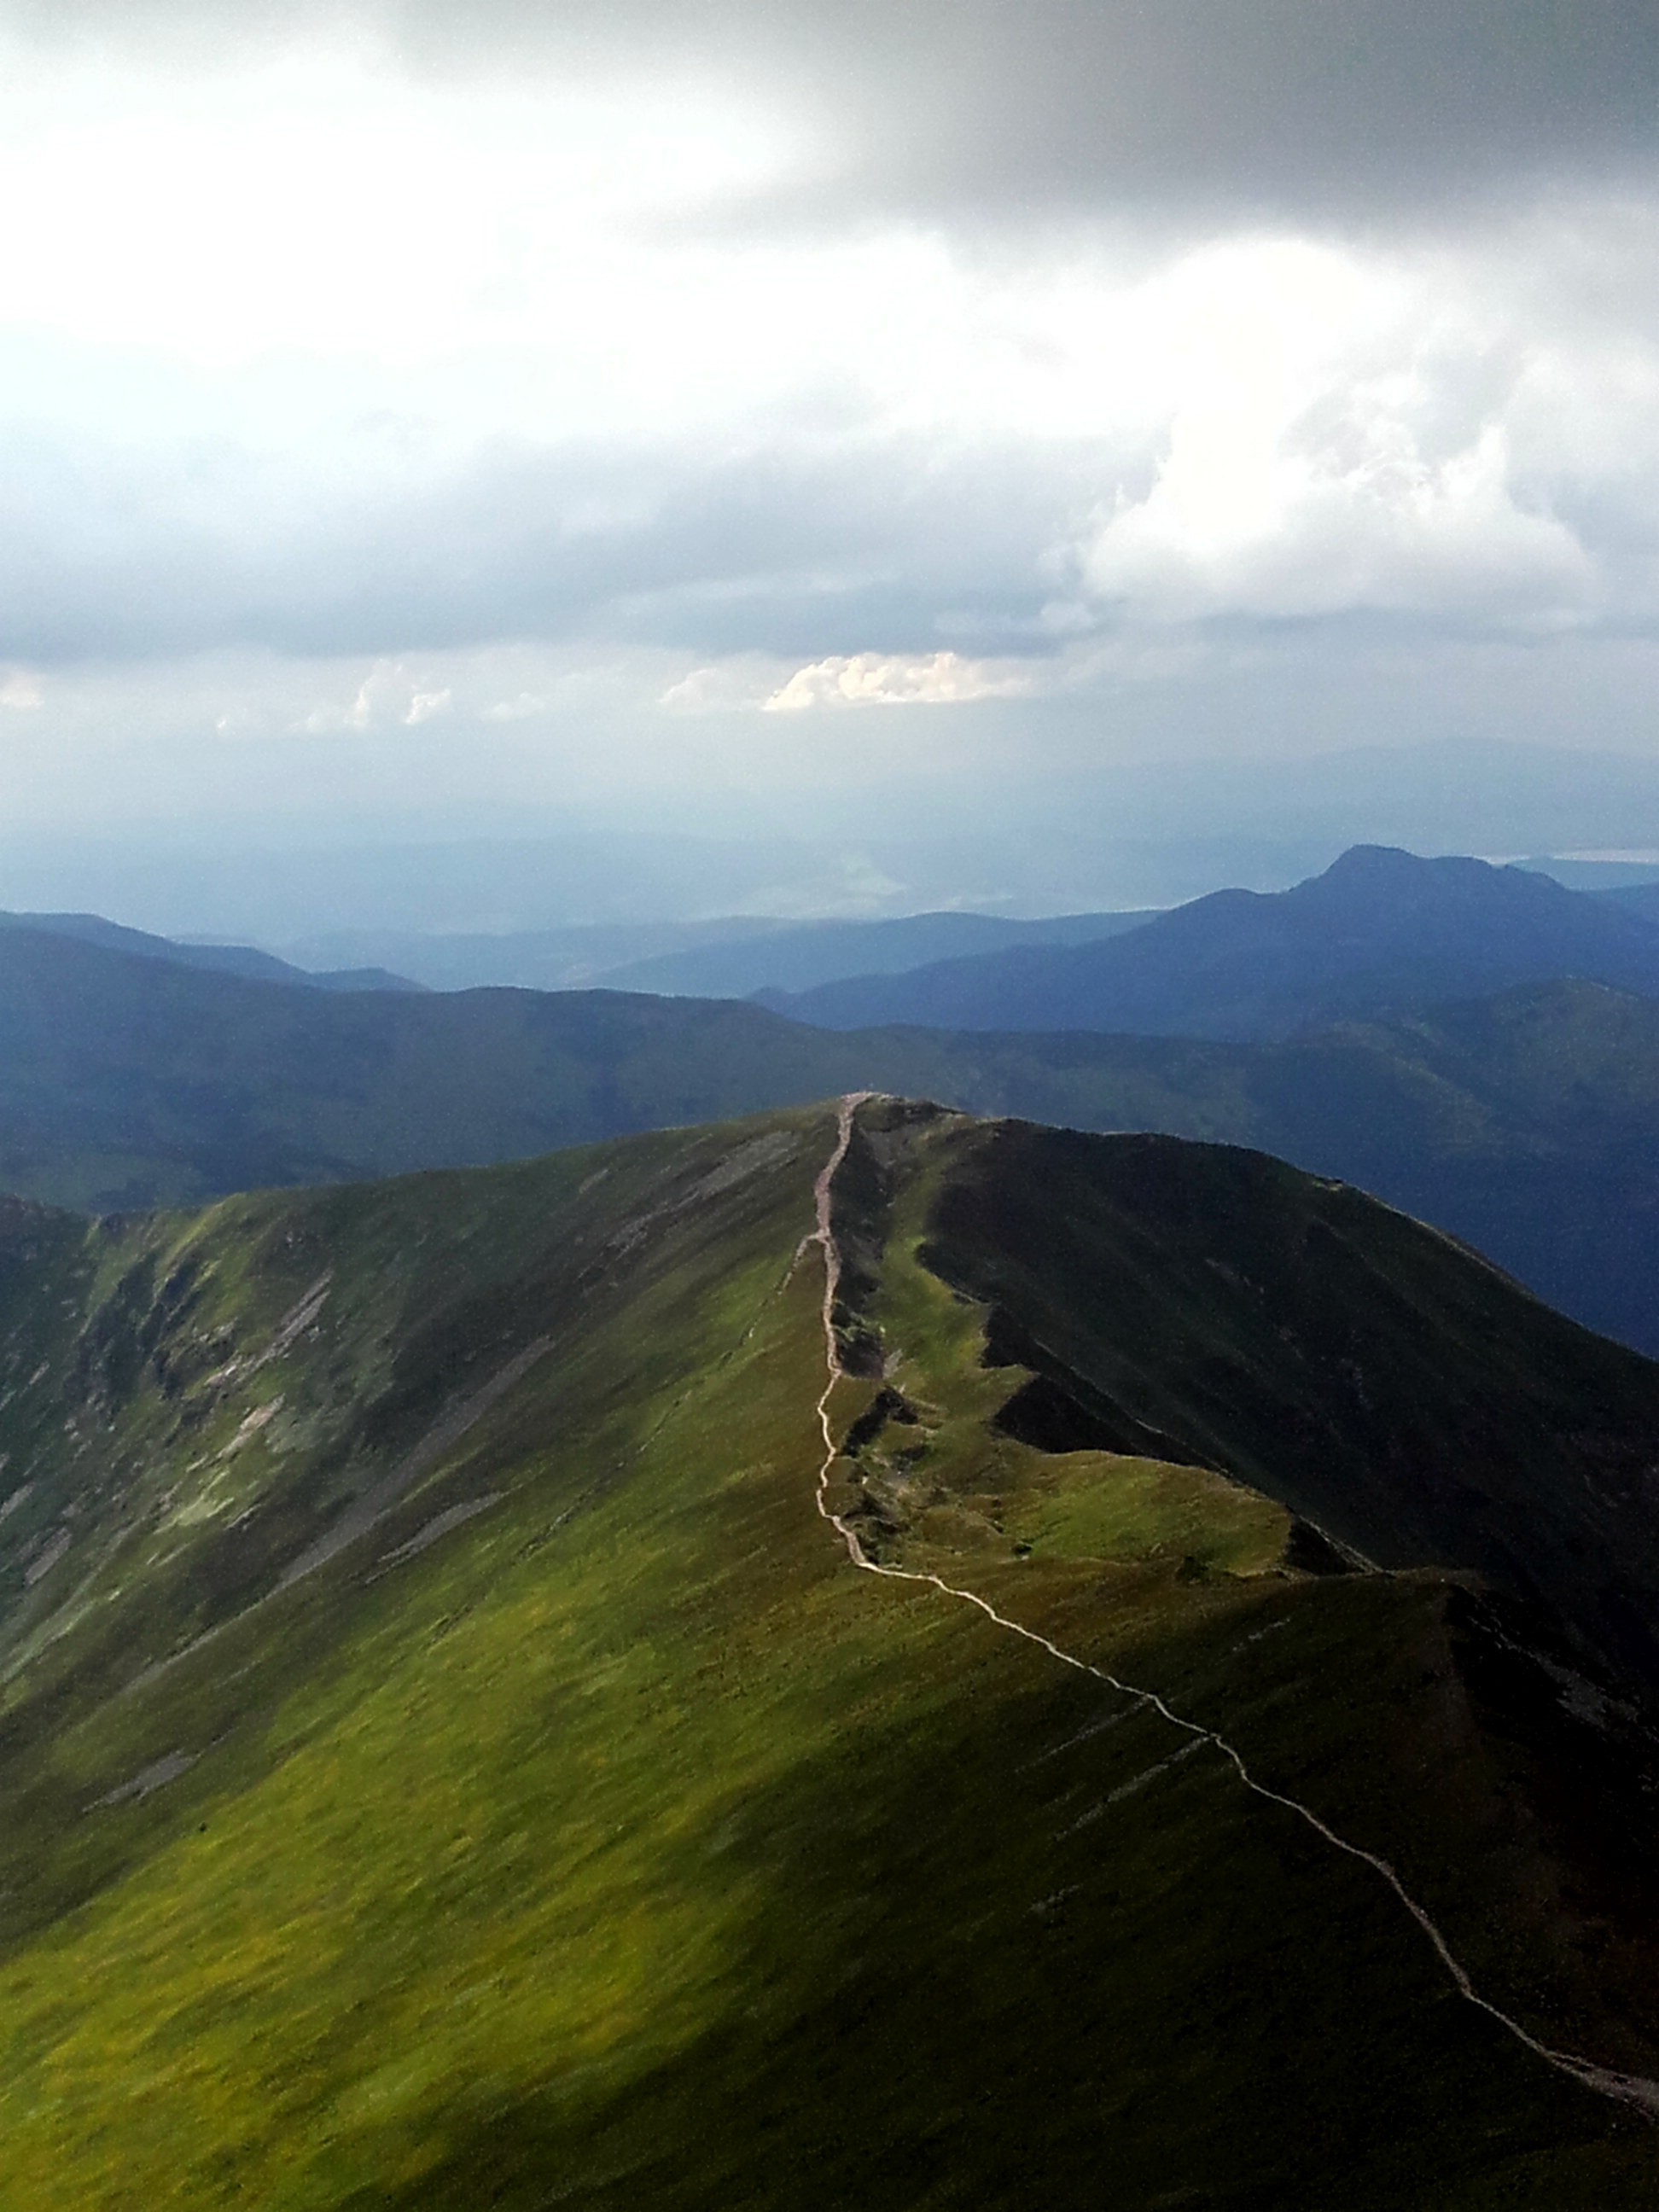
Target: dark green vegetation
[1380,930]
[446,1762]
[1524,1124]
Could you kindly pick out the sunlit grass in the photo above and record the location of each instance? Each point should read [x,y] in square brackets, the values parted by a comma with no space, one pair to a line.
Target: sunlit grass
[627,1847]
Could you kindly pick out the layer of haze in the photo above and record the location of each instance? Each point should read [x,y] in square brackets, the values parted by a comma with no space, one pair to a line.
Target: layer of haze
[849,424]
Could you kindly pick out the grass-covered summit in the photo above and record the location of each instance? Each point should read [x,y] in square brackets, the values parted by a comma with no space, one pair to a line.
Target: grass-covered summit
[447,1761]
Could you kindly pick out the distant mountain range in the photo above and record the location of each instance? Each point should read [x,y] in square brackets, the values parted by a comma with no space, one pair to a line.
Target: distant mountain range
[572,958]
[456,1753]
[220,959]
[729,958]
[1524,1123]
[1379,931]
[742,957]
[812,953]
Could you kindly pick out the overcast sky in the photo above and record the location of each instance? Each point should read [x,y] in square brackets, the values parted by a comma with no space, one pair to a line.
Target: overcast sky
[624,404]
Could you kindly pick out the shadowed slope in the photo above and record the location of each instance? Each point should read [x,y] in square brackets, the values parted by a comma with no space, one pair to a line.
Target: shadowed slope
[1410,1402]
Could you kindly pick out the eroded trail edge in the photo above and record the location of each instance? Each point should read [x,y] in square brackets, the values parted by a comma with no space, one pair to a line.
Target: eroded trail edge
[1625,2088]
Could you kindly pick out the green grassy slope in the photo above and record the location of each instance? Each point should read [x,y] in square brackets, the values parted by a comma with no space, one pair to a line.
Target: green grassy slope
[446,1760]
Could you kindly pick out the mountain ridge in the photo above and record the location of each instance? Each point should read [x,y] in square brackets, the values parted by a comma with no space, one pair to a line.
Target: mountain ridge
[1638,2091]
[811,953]
[243,960]
[1379,929]
[1522,1123]
[586,1822]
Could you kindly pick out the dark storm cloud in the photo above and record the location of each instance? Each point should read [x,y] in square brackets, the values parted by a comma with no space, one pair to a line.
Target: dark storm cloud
[887,547]
[1275,105]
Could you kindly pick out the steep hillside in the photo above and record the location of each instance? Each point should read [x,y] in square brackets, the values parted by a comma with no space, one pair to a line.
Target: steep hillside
[1527,1123]
[1295,1334]
[450,1759]
[1379,930]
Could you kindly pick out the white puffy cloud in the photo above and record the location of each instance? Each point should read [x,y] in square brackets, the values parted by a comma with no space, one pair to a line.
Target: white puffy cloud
[1007,453]
[873,679]
[1345,433]
[1263,519]
[710,690]
[387,695]
[523,707]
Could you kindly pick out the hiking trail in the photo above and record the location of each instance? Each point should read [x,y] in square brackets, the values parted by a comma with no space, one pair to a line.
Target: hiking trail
[1633,2089]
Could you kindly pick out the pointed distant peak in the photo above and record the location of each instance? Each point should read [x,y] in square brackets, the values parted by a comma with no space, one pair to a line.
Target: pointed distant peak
[1368,859]
[1392,863]
[1391,869]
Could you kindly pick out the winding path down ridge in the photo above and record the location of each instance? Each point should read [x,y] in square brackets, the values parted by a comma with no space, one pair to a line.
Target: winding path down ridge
[1625,2088]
